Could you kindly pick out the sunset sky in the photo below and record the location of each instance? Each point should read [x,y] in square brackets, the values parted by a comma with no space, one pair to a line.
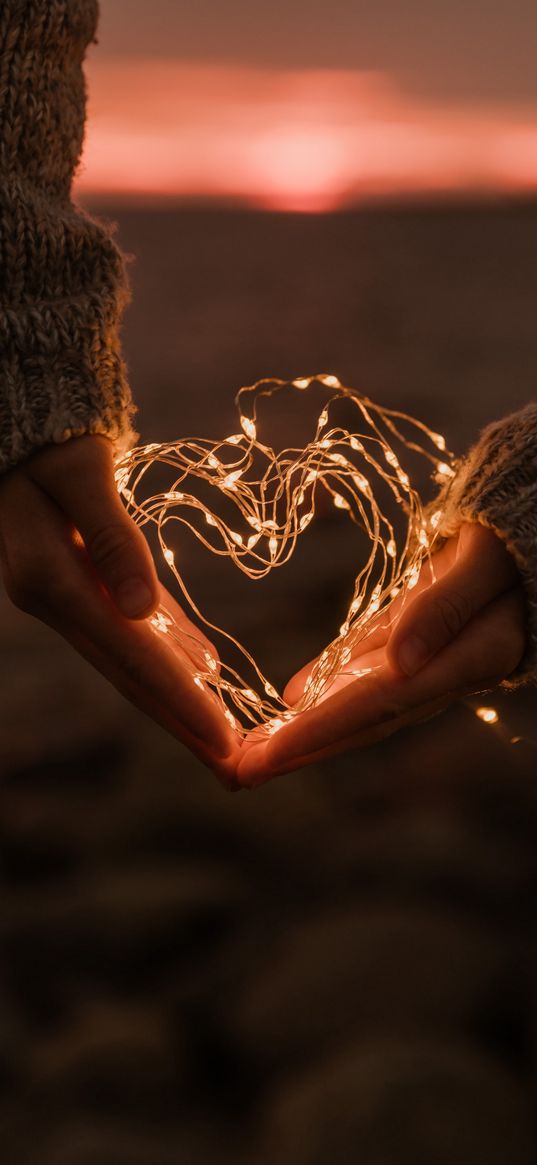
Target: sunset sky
[311,104]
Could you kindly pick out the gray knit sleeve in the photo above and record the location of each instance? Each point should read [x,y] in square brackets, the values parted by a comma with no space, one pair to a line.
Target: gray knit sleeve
[497,485]
[63,280]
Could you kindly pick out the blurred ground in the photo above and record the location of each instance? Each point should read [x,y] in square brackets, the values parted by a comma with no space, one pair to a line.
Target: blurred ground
[342,966]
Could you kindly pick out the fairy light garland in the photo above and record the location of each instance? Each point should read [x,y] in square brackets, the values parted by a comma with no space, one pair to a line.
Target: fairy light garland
[275,508]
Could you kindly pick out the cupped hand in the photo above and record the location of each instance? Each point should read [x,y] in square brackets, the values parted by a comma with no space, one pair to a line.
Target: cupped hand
[72,557]
[460,631]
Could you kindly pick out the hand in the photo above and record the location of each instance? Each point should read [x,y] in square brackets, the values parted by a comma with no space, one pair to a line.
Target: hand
[458,632]
[72,557]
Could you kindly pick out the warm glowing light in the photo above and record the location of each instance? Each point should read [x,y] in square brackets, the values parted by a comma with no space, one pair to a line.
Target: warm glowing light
[413,578]
[444,471]
[487,715]
[268,501]
[161,622]
[249,427]
[229,482]
[274,725]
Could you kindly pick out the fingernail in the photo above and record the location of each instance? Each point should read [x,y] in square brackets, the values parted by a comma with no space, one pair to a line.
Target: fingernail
[412,655]
[133,597]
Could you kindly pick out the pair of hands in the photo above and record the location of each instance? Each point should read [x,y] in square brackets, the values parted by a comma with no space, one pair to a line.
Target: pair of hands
[72,557]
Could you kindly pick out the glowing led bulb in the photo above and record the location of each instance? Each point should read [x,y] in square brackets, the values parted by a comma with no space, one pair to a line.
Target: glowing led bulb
[275,725]
[236,537]
[169,556]
[439,441]
[252,541]
[487,715]
[160,622]
[210,520]
[330,381]
[391,548]
[444,471]
[391,458]
[250,695]
[229,482]
[413,578]
[305,520]
[273,546]
[357,445]
[323,419]
[362,483]
[214,461]
[340,502]
[249,428]
[235,439]
[434,520]
[302,382]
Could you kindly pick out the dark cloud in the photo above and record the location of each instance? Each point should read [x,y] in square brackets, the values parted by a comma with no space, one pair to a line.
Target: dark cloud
[462,49]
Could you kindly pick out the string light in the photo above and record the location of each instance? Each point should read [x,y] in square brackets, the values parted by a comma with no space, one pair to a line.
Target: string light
[278,502]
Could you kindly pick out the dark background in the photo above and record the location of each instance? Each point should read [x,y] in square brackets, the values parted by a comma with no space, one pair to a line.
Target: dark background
[340,966]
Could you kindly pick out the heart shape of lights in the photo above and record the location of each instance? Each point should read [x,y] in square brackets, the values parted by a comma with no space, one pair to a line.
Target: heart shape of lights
[275,505]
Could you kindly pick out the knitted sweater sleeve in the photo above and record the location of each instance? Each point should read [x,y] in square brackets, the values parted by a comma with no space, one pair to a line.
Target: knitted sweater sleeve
[496,485]
[63,280]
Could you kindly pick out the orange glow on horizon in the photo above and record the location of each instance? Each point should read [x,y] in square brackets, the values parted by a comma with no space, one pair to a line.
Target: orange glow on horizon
[303,140]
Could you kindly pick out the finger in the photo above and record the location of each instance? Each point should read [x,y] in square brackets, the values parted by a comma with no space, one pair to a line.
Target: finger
[50,576]
[366,710]
[137,660]
[257,739]
[382,629]
[357,667]
[79,476]
[193,640]
[223,766]
[482,570]
[258,764]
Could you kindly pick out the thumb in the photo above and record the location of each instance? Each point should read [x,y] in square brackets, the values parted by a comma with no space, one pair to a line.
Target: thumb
[483,570]
[79,476]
